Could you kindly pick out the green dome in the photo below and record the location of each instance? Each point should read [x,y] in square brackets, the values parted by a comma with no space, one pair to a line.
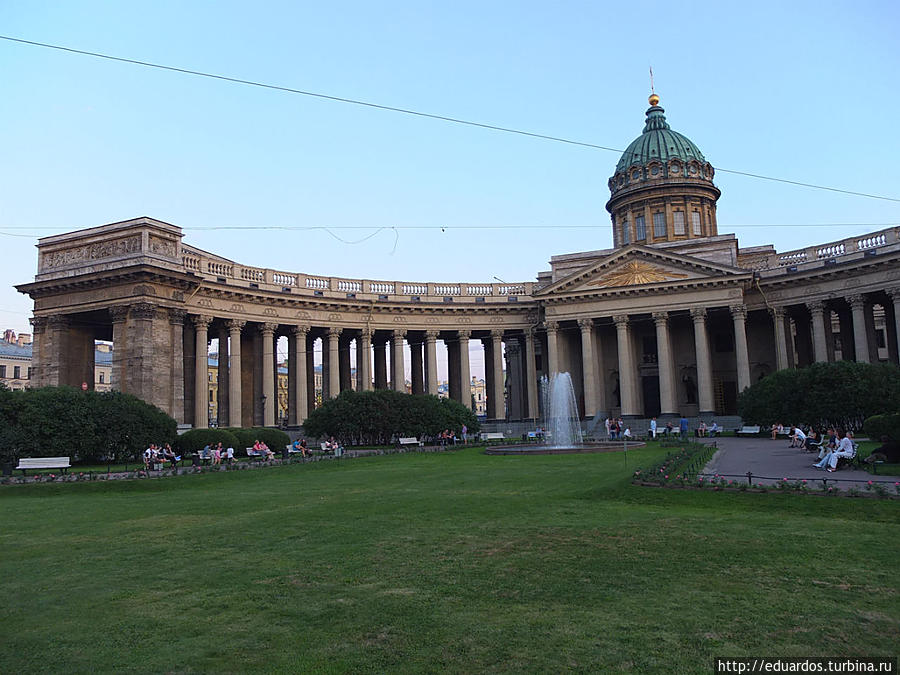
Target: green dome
[658,142]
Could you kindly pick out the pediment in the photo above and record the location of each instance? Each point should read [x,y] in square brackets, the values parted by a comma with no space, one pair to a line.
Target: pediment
[640,268]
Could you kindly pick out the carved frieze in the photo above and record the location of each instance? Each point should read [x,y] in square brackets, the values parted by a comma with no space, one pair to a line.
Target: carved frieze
[162,246]
[205,302]
[237,307]
[82,254]
[143,289]
[270,312]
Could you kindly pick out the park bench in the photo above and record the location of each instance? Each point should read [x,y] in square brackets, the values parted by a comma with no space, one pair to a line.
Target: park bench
[26,463]
[411,440]
[748,430]
[258,454]
[293,451]
[337,453]
[489,436]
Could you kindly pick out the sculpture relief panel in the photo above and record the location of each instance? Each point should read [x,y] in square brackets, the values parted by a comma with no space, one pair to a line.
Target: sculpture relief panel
[89,252]
[162,246]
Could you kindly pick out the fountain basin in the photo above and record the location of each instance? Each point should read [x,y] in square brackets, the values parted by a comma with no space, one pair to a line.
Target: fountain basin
[538,449]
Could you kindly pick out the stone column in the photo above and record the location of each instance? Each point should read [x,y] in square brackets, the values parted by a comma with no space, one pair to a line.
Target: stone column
[666,365]
[552,348]
[223,390]
[817,315]
[431,374]
[417,368]
[627,391]
[531,375]
[235,400]
[894,295]
[311,400]
[398,371]
[267,332]
[119,315]
[742,354]
[497,385]
[176,324]
[587,367]
[704,364]
[465,377]
[334,372]
[364,359]
[857,306]
[301,395]
[380,364]
[39,325]
[781,354]
[201,372]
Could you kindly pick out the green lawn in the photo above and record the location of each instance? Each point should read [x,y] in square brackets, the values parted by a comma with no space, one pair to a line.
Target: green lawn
[456,562]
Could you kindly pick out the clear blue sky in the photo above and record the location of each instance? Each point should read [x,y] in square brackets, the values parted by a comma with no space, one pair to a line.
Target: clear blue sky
[800,90]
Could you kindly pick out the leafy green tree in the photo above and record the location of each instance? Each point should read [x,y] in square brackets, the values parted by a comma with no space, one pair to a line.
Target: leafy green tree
[88,426]
[376,417]
[841,394]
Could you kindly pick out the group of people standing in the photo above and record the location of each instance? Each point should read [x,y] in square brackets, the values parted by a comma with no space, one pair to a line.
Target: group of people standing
[616,428]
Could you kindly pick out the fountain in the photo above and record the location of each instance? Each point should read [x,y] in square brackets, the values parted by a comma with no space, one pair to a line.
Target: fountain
[561,424]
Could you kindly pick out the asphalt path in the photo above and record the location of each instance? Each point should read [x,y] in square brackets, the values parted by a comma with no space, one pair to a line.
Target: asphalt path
[772,461]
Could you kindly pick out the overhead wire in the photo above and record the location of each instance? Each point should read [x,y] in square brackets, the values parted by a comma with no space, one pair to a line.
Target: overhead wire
[409,111]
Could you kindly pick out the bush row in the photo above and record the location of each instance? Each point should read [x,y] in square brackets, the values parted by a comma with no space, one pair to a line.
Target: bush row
[231,437]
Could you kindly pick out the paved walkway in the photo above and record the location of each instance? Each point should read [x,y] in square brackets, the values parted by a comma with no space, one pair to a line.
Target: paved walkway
[769,461]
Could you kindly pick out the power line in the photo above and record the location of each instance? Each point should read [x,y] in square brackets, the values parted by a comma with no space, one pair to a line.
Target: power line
[417,113]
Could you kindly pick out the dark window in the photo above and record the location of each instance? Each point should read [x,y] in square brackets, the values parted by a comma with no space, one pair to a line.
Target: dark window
[879,338]
[641,230]
[17,372]
[2,371]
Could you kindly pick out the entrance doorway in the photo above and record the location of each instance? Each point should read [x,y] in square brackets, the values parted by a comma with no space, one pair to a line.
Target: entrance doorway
[650,386]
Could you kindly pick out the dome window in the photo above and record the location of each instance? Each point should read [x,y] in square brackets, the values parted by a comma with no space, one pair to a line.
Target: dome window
[693,169]
[654,170]
[675,168]
[635,175]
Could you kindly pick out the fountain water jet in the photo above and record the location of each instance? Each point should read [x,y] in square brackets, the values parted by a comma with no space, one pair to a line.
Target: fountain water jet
[561,421]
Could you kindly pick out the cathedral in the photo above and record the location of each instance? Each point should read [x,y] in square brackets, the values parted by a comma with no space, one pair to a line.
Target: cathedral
[676,319]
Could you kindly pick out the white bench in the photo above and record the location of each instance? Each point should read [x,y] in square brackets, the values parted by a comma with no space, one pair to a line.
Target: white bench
[748,430]
[411,440]
[492,436]
[338,451]
[258,454]
[43,463]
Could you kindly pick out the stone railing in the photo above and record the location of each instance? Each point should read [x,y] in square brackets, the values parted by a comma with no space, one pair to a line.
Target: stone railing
[221,270]
[831,251]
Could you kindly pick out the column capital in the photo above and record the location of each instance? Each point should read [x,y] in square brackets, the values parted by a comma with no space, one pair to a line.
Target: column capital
[268,328]
[585,324]
[235,324]
[660,317]
[738,311]
[431,335]
[816,306]
[38,323]
[698,314]
[176,316]
[334,332]
[118,313]
[143,310]
[300,331]
[621,320]
[464,334]
[856,300]
[893,293]
[366,333]
[497,333]
[398,333]
[776,312]
[551,326]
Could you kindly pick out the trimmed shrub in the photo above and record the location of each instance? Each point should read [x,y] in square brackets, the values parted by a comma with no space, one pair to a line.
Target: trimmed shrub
[376,417]
[87,426]
[883,425]
[196,439]
[840,394]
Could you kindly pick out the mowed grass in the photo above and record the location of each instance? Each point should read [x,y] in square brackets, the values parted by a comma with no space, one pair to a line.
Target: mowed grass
[456,562]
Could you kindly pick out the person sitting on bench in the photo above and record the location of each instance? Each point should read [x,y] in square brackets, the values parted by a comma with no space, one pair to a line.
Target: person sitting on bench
[844,449]
[798,438]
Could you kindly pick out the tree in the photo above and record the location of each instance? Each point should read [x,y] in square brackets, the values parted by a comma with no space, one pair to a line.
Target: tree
[841,394]
[376,417]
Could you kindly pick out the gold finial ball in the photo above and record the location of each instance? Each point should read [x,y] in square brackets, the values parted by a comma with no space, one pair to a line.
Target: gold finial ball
[654,99]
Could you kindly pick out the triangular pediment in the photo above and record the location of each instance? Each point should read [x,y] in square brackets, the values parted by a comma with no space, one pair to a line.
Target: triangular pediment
[640,267]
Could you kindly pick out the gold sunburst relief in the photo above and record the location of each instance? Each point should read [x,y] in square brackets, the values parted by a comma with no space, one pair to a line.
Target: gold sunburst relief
[635,273]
